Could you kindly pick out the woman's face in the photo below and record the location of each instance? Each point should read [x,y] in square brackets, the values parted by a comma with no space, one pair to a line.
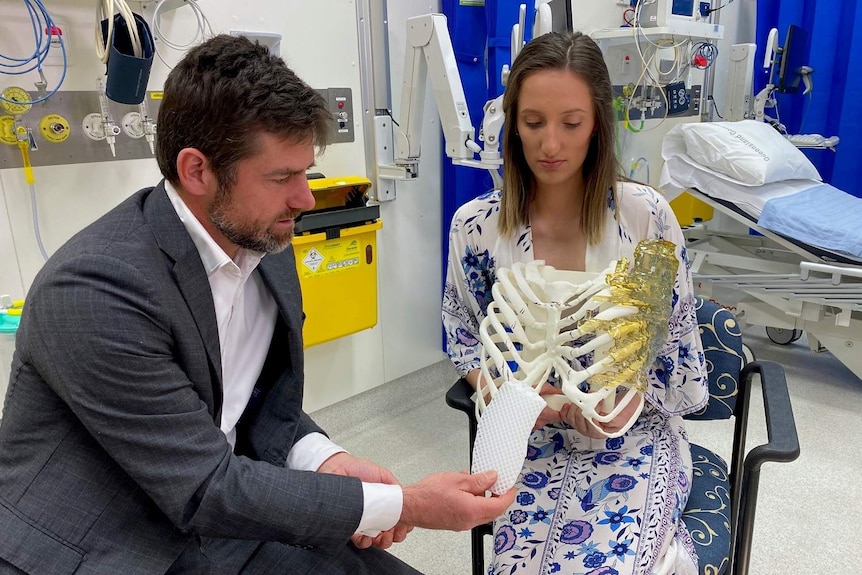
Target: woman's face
[555,124]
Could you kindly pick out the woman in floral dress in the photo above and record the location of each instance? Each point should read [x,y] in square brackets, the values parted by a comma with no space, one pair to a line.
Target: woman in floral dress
[585,504]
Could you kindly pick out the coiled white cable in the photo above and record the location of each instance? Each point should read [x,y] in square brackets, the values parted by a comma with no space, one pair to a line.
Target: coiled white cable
[105,10]
[204,29]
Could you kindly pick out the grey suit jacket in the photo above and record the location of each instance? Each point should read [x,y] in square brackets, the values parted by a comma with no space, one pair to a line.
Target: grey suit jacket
[111,458]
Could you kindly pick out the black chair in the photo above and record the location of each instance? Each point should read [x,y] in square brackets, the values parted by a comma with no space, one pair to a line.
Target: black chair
[721,508]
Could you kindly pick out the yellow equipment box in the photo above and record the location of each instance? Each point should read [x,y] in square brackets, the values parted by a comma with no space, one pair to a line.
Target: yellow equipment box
[689,209]
[336,258]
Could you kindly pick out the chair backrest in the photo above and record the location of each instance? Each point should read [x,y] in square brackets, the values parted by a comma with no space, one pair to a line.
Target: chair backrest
[722,349]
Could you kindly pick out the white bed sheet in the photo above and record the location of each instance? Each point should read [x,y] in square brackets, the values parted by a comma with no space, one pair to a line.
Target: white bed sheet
[680,172]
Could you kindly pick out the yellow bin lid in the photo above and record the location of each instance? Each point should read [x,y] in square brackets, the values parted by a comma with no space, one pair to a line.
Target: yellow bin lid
[334,192]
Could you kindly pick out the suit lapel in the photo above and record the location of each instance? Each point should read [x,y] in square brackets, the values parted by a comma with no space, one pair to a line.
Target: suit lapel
[279,274]
[175,242]
[269,424]
[194,285]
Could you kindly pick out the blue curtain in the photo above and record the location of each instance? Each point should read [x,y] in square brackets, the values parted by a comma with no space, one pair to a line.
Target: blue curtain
[466,23]
[480,35]
[834,107]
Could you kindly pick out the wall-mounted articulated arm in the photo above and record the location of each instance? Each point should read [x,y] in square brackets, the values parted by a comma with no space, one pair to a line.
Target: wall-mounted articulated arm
[430,54]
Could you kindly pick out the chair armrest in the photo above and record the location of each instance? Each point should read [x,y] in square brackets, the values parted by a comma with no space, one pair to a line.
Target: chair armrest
[459,397]
[783,441]
[782,446]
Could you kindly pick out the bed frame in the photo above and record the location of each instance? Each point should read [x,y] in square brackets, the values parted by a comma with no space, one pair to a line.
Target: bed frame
[785,284]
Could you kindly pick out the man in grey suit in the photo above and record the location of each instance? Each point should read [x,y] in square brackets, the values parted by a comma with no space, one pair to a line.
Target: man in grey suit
[153,420]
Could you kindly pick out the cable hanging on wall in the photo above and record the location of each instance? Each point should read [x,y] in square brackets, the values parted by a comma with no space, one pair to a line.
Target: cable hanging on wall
[44,29]
[105,11]
[124,44]
[17,102]
[203,29]
[703,54]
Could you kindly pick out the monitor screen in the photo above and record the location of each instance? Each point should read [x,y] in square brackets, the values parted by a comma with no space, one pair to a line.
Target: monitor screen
[683,8]
[794,55]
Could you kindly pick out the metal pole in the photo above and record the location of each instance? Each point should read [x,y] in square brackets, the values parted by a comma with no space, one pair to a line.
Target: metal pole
[372,34]
[708,82]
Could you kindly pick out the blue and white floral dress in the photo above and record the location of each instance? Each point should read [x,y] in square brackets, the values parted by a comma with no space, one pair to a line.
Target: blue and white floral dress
[586,506]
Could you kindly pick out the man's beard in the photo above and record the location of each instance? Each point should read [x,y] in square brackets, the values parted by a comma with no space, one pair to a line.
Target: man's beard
[248,235]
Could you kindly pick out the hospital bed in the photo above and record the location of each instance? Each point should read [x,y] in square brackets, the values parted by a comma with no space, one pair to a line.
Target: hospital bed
[783,282]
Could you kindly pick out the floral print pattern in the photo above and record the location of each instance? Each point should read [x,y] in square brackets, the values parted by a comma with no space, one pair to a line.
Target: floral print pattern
[585,506]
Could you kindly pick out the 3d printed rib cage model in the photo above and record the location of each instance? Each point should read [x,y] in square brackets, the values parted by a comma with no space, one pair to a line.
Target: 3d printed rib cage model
[543,320]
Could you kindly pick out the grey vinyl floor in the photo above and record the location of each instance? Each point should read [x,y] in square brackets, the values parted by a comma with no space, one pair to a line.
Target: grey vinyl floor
[809,514]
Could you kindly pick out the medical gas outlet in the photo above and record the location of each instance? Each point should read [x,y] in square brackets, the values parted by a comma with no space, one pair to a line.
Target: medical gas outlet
[133,125]
[55,128]
[93,127]
[7,130]
[137,125]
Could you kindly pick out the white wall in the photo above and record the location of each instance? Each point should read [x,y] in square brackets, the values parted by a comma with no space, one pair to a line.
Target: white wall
[411,282]
[320,42]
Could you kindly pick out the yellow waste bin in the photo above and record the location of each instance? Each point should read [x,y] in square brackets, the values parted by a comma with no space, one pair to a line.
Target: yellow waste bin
[689,209]
[336,258]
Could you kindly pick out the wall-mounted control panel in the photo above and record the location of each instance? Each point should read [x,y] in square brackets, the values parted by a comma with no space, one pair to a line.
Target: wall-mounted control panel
[341,106]
[78,127]
[652,103]
[73,127]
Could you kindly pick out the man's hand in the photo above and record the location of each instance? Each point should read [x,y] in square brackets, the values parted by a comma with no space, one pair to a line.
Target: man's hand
[454,501]
[345,464]
[384,539]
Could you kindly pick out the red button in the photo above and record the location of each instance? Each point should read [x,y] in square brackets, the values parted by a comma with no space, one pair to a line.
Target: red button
[340,105]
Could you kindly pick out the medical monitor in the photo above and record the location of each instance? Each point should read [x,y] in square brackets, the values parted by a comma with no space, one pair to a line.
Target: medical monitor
[666,12]
[794,55]
[682,8]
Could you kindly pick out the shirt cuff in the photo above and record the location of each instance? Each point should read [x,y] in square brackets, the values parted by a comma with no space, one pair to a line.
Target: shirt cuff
[381,503]
[381,508]
[311,451]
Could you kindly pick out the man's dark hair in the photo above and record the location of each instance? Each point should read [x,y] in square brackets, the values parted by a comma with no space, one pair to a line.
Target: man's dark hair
[223,93]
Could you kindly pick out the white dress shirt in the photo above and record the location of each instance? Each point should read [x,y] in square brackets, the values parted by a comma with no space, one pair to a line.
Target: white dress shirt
[246,313]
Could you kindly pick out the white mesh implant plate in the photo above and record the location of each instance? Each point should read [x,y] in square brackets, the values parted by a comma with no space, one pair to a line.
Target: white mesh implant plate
[503,432]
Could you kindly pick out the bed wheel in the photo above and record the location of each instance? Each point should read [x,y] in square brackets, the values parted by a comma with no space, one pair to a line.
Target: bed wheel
[783,336]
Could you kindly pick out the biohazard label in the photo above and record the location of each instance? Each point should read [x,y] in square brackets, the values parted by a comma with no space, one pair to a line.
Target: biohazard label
[331,257]
[313,259]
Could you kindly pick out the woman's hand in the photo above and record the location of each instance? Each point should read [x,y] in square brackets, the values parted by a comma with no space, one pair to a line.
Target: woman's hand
[549,415]
[572,415]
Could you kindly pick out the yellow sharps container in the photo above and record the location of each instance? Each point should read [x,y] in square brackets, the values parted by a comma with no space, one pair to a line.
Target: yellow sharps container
[336,259]
[689,210]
